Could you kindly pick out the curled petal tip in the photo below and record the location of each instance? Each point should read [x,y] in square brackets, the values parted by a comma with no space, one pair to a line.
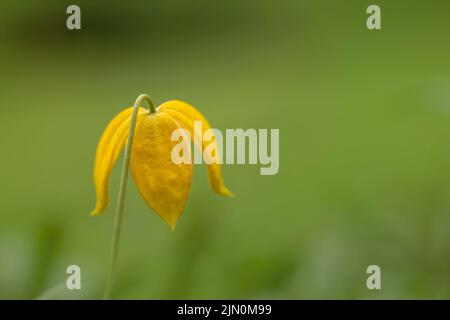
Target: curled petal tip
[171,222]
[97,211]
[94,213]
[225,192]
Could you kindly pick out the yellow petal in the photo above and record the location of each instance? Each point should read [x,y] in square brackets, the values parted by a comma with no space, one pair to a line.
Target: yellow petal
[163,185]
[108,150]
[186,114]
[107,136]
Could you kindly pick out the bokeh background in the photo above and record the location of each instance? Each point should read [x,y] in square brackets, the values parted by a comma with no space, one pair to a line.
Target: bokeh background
[364,119]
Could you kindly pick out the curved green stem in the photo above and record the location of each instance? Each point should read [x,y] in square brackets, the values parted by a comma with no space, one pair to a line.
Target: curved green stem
[122,191]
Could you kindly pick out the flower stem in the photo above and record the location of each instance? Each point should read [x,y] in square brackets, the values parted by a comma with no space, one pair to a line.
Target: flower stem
[122,191]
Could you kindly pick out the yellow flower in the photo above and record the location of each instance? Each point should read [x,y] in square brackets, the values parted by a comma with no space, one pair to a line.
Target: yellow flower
[163,184]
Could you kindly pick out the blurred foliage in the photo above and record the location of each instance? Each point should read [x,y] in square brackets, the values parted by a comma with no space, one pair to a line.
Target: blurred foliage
[364,160]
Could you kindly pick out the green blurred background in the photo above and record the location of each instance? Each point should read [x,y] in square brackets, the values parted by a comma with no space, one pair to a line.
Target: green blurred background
[364,119]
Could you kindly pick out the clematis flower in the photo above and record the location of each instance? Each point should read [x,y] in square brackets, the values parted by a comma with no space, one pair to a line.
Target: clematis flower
[163,184]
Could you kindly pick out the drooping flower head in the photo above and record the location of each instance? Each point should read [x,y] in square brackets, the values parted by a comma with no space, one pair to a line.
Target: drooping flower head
[163,184]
